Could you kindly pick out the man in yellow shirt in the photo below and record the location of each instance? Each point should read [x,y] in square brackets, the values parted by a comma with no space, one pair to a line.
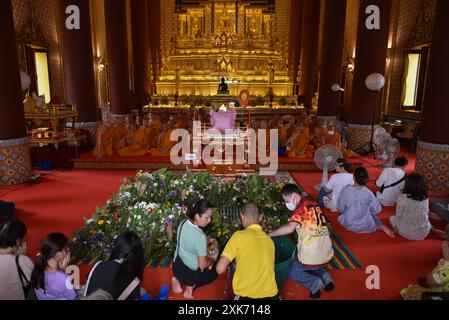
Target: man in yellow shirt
[254,255]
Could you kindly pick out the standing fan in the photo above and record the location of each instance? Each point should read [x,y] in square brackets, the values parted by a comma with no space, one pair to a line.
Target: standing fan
[380,137]
[325,158]
[392,147]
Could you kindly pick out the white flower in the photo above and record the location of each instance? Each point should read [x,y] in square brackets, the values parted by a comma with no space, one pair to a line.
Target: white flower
[89,221]
[155,184]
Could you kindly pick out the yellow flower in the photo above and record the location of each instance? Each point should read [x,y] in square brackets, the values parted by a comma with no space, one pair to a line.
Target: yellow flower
[101,222]
[219,233]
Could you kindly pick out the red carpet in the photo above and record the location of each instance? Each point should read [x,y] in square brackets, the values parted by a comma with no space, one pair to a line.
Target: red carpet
[65,197]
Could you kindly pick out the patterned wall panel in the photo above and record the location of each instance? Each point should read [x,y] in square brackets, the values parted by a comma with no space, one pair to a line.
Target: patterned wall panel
[414,28]
[432,162]
[359,136]
[42,14]
[283,25]
[168,27]
[15,163]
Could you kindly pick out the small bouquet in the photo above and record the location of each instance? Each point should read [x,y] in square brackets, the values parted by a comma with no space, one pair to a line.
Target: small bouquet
[212,250]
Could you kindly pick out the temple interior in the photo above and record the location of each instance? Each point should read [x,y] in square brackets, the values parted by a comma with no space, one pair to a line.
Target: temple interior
[109,88]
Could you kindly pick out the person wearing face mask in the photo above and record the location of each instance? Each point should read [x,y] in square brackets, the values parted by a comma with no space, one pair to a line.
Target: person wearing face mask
[191,267]
[314,249]
[254,255]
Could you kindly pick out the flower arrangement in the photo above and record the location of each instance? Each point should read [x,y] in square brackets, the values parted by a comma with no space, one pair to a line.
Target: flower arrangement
[153,204]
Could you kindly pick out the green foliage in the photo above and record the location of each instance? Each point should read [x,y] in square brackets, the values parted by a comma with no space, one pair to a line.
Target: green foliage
[151,204]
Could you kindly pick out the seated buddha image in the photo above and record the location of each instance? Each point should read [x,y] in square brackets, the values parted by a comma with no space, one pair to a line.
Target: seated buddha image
[223,87]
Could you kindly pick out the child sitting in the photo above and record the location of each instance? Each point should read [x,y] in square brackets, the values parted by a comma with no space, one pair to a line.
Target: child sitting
[49,279]
[436,281]
[359,207]
[391,182]
[314,249]
[254,254]
[412,211]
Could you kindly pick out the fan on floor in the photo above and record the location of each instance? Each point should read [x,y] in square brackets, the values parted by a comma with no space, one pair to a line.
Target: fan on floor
[325,159]
[392,148]
[381,136]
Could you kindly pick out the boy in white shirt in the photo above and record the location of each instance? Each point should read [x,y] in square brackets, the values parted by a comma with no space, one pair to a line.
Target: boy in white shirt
[336,184]
[391,182]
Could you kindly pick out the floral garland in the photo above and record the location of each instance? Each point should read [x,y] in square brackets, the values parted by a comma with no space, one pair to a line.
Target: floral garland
[153,204]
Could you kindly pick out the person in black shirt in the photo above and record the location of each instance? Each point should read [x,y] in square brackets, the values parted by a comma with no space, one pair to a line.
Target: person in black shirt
[126,264]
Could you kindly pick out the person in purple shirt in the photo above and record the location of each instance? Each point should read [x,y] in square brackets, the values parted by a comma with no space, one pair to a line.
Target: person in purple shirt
[49,279]
[359,207]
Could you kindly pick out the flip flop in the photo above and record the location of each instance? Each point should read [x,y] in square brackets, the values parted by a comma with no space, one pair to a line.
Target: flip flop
[163,293]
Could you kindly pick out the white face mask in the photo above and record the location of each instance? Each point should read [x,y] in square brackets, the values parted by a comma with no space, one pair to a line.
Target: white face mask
[331,133]
[291,205]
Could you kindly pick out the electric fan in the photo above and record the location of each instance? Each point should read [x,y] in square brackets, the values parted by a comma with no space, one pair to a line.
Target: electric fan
[325,159]
[379,139]
[392,148]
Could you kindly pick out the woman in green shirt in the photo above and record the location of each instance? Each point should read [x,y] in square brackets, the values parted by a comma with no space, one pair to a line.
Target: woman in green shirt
[191,267]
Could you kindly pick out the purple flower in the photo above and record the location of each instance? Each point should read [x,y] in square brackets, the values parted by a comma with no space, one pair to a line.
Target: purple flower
[168,222]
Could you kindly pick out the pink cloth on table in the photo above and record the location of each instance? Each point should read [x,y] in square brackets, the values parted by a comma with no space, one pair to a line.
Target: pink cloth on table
[223,120]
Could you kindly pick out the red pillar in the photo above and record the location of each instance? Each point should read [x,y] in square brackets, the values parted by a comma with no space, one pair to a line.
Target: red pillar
[433,147]
[117,46]
[309,54]
[139,19]
[15,164]
[332,56]
[78,62]
[371,55]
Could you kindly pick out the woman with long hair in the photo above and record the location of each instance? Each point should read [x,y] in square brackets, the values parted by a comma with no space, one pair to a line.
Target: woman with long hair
[123,270]
[412,211]
[49,279]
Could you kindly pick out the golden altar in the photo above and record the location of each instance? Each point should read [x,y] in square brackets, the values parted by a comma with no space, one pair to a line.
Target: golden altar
[48,126]
[232,39]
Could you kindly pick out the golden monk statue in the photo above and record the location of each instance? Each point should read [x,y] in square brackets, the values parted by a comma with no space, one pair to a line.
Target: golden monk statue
[315,100]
